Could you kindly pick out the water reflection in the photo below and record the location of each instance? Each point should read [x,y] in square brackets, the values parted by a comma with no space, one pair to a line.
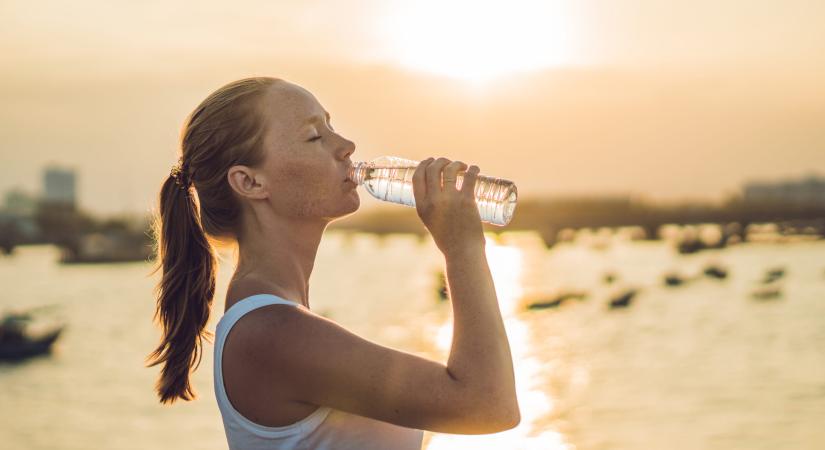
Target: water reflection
[702,366]
[507,267]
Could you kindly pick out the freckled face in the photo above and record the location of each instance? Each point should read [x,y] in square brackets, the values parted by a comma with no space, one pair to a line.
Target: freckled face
[306,160]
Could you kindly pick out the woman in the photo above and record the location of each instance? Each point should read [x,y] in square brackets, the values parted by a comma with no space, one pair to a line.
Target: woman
[270,174]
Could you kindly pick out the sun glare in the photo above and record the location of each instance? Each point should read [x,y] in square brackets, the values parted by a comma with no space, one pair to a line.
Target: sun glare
[507,268]
[476,40]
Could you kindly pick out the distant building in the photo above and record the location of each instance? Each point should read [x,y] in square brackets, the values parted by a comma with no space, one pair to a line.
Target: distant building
[17,222]
[20,203]
[807,192]
[59,186]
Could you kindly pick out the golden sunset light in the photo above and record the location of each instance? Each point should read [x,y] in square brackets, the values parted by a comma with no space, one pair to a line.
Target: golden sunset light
[639,262]
[479,41]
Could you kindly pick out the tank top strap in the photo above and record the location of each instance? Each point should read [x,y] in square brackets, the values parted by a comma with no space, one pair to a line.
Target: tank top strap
[245,305]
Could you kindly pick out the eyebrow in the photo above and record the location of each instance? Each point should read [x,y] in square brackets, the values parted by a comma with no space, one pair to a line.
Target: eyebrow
[314,119]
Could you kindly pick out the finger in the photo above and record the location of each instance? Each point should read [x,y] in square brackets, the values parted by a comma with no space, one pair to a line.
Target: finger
[450,174]
[420,181]
[468,185]
[434,175]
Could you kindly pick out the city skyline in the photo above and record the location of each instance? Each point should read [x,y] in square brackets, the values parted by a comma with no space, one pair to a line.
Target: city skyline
[58,185]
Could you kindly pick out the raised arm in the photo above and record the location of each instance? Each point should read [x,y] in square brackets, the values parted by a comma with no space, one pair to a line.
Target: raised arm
[317,361]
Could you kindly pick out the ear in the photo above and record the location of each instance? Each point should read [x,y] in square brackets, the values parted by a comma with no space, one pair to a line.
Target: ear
[247,182]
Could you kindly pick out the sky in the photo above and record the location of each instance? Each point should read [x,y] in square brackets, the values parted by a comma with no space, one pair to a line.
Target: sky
[665,100]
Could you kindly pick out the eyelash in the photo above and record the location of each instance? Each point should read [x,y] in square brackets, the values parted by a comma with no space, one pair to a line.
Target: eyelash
[319,136]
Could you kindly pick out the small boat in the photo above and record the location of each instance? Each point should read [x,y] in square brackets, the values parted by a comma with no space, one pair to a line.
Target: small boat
[16,342]
[555,301]
[689,246]
[767,293]
[773,275]
[441,286]
[717,272]
[674,279]
[550,303]
[609,278]
[622,299]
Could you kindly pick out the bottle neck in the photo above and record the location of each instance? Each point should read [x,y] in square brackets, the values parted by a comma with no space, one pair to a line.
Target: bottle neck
[358,172]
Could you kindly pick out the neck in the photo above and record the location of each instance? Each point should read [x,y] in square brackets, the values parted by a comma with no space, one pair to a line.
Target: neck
[280,252]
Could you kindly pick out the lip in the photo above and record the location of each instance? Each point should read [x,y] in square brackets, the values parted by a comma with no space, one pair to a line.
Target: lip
[348,173]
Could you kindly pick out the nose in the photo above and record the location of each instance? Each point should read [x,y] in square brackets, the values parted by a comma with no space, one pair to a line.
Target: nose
[347,149]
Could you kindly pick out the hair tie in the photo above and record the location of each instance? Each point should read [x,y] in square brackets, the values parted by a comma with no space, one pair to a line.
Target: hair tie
[180,172]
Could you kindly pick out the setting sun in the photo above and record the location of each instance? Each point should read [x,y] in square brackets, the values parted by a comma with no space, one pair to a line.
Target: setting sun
[479,41]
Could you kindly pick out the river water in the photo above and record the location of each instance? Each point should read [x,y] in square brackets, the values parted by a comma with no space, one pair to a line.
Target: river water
[699,366]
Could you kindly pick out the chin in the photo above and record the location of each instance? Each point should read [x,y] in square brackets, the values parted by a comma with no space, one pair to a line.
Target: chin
[353,205]
[346,208]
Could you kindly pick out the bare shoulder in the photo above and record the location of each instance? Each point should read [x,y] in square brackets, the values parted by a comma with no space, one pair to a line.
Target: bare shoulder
[280,329]
[276,321]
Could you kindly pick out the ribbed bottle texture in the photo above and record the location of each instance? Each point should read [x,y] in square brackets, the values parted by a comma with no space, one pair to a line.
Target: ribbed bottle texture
[389,178]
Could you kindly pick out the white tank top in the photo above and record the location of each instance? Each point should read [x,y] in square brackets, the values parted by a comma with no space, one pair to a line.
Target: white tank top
[324,429]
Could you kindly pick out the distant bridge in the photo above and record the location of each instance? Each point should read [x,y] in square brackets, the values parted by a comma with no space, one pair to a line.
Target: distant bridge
[549,217]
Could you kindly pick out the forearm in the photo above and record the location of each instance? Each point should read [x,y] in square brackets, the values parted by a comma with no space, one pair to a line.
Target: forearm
[480,353]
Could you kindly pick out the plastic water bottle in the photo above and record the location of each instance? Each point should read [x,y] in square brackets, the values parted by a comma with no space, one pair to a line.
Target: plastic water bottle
[389,178]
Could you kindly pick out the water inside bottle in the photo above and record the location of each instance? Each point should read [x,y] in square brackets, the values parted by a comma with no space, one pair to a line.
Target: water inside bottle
[495,197]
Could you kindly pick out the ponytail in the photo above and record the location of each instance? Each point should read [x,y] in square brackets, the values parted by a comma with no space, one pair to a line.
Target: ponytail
[185,292]
[226,129]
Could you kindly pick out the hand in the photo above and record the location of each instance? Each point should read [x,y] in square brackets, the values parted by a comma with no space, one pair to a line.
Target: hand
[451,215]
